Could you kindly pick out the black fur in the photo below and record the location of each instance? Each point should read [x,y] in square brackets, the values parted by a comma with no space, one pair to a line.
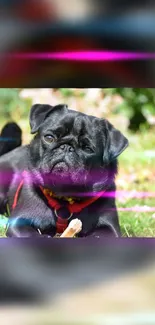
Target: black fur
[71,153]
[10,138]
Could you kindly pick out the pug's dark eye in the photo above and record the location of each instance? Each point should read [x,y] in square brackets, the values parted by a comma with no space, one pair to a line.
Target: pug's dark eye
[48,138]
[88,149]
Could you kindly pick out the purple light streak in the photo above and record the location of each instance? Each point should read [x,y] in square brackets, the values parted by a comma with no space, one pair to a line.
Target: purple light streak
[99,56]
[138,209]
[5,176]
[118,194]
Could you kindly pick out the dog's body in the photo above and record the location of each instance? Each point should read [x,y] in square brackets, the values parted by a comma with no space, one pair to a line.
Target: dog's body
[10,138]
[72,155]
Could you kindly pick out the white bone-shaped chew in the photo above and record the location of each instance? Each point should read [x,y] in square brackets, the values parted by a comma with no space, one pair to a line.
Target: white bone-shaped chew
[73,228]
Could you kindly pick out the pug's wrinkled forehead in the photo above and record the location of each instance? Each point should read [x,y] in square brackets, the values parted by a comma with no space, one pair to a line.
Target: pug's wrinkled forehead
[61,120]
[59,114]
[77,123]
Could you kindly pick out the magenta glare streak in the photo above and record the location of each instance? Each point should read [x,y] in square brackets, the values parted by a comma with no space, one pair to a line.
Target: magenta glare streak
[83,56]
[117,194]
[133,209]
[138,209]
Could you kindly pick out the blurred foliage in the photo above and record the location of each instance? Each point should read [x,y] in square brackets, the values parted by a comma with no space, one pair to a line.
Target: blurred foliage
[66,92]
[12,106]
[138,104]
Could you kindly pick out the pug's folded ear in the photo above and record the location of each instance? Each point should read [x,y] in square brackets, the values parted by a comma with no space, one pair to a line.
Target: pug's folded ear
[116,142]
[39,112]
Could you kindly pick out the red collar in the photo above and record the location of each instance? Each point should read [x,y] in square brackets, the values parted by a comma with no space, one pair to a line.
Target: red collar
[61,222]
[72,208]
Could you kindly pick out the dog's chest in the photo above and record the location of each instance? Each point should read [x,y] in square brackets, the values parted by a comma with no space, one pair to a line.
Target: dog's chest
[34,206]
[48,224]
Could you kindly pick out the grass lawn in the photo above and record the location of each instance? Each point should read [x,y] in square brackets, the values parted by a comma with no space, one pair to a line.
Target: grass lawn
[136,176]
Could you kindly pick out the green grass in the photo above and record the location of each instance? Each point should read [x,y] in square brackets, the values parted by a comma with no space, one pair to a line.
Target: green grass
[137,169]
[136,173]
[3,222]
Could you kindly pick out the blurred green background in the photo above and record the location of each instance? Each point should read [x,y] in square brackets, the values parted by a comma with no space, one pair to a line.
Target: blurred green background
[131,110]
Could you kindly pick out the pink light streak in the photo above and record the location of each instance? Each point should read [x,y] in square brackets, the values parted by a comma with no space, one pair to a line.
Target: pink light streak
[138,209]
[96,56]
[125,194]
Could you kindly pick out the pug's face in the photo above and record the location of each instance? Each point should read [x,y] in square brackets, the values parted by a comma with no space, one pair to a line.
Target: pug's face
[72,150]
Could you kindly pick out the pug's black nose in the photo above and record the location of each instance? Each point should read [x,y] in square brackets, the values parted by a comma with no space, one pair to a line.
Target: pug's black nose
[67,147]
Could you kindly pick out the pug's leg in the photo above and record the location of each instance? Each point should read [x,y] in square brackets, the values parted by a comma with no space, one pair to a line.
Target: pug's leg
[107,227]
[26,218]
[104,232]
[20,227]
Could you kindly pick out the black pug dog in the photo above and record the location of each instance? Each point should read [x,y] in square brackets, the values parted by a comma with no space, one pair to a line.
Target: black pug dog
[10,138]
[66,172]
